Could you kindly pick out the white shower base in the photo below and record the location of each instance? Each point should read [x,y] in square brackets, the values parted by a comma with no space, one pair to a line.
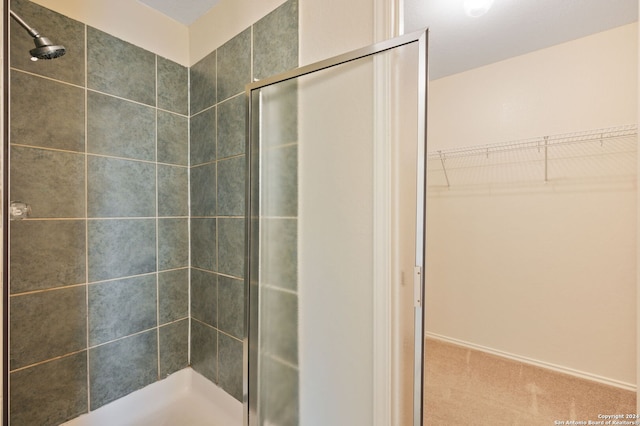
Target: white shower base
[185,398]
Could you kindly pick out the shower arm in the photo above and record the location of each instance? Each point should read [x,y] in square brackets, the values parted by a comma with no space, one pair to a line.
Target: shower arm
[44,49]
[32,31]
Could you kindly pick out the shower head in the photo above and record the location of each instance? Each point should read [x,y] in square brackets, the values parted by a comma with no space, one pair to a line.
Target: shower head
[44,49]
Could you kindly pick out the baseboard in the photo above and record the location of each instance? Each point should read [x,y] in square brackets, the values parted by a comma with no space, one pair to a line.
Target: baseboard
[534,362]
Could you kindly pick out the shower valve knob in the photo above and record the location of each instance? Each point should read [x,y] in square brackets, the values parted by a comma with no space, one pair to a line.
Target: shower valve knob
[19,210]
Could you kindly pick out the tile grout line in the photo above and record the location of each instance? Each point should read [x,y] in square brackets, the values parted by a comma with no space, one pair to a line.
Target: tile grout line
[98,219]
[247,244]
[86,208]
[55,358]
[157,193]
[205,324]
[93,283]
[189,216]
[45,77]
[87,89]
[99,155]
[216,237]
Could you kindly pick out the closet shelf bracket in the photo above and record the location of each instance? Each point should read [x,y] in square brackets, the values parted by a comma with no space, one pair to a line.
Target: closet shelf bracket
[444,168]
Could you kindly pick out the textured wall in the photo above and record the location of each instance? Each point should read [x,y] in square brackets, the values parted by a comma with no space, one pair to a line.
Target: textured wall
[99,273]
[217,187]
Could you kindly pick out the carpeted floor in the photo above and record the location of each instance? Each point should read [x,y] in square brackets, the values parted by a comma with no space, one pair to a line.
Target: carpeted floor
[469,387]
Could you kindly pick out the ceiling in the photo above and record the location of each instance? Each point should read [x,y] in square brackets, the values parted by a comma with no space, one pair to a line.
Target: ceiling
[184,11]
[511,27]
[458,43]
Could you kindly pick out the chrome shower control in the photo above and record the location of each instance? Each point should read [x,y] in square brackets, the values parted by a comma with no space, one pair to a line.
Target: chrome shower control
[19,210]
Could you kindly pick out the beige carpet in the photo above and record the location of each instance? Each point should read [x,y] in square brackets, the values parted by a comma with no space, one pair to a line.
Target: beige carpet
[469,387]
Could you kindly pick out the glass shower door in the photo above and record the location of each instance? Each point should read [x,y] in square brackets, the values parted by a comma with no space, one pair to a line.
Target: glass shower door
[335,240]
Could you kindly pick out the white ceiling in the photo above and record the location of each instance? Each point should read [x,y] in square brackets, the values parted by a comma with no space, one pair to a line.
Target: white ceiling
[458,42]
[510,28]
[184,11]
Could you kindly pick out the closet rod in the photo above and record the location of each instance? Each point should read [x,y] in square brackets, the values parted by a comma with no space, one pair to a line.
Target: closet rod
[540,143]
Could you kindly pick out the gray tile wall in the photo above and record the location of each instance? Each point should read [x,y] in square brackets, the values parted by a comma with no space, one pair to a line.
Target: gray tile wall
[99,279]
[218,165]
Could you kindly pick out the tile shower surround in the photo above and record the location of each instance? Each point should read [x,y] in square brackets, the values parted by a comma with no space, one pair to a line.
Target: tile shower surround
[217,156]
[99,273]
[100,278]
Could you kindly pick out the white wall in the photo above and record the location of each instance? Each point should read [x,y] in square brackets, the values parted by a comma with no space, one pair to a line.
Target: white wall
[545,272]
[331,27]
[585,84]
[145,27]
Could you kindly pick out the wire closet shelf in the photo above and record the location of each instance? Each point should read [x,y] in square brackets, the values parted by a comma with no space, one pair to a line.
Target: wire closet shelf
[608,154]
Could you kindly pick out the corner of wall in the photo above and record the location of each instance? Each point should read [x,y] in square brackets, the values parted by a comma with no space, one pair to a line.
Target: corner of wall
[224,21]
[130,21]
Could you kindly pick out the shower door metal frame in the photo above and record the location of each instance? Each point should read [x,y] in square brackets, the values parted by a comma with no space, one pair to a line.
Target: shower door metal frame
[250,353]
[5,213]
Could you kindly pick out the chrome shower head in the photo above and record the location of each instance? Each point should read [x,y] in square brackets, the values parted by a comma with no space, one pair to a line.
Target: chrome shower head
[44,49]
